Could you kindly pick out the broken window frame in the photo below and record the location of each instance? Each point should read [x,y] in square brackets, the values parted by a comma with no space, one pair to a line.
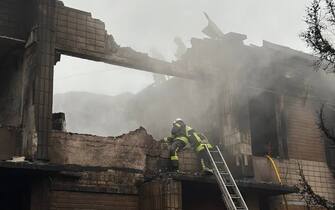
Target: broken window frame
[278,118]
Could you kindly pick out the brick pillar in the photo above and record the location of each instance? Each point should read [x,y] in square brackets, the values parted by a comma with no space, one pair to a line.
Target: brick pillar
[43,84]
[161,194]
[281,125]
[236,137]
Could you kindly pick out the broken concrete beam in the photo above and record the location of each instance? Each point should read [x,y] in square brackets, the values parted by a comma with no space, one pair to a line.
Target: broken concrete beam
[79,34]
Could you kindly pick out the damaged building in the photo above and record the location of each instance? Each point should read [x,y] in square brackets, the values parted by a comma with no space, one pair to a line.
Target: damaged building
[258,103]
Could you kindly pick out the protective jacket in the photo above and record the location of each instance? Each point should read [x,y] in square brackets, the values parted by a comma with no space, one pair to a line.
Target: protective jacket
[186,134]
[181,135]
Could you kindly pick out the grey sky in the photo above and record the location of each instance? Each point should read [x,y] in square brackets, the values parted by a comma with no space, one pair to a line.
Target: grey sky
[146,24]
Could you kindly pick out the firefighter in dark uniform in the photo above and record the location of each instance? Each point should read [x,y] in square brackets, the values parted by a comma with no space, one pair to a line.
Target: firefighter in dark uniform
[182,135]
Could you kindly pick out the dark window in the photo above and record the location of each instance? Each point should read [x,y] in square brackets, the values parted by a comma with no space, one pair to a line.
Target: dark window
[263,125]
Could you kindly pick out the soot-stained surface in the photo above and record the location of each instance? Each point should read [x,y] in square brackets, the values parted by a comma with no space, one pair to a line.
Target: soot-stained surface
[201,196]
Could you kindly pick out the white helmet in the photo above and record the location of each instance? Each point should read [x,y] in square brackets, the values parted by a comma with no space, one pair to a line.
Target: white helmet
[178,120]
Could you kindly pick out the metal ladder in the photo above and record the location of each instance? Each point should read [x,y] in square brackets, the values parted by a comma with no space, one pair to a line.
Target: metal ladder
[230,192]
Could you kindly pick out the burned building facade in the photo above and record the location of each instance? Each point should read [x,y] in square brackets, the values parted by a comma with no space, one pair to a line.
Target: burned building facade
[257,103]
[263,104]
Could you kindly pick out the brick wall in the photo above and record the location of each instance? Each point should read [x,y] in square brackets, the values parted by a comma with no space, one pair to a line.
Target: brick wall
[317,174]
[12,16]
[78,33]
[162,194]
[189,162]
[11,77]
[94,201]
[126,151]
[303,136]
[111,181]
[236,135]
[44,66]
[111,189]
[8,141]
[15,22]
[159,159]
[236,139]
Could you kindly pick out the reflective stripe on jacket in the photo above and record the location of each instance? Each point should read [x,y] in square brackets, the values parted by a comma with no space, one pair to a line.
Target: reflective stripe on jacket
[189,136]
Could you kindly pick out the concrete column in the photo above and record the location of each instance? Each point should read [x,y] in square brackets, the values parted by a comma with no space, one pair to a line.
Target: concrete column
[43,83]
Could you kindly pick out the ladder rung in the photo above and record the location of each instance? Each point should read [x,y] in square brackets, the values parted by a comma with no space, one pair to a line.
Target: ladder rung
[235,196]
[216,157]
[219,162]
[227,182]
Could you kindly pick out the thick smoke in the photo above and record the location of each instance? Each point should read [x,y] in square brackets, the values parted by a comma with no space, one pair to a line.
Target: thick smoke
[222,64]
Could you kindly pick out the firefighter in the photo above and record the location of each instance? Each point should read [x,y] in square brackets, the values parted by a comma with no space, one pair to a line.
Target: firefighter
[182,135]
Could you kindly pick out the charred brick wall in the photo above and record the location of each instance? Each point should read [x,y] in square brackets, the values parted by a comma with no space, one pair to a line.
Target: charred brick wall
[317,174]
[41,25]
[29,35]
[43,85]
[126,151]
[78,33]
[47,29]
[96,201]
[12,15]
[115,188]
[189,163]
[236,135]
[16,18]
[8,141]
[110,181]
[307,148]
[303,136]
[162,194]
[11,77]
